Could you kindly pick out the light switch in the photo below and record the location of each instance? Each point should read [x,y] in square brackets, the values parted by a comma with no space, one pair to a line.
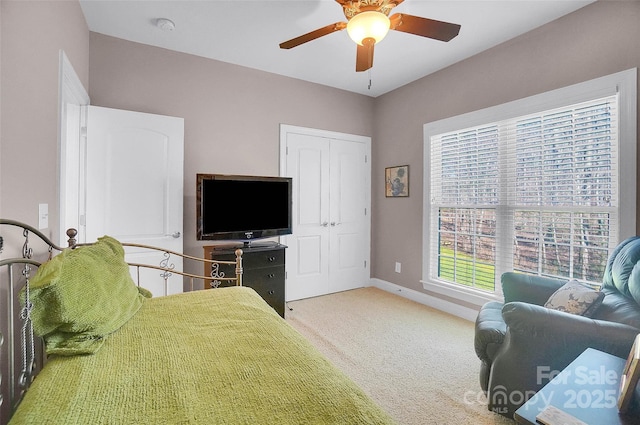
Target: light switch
[43,216]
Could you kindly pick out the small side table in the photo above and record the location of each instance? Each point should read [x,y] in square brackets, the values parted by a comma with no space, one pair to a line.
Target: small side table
[587,389]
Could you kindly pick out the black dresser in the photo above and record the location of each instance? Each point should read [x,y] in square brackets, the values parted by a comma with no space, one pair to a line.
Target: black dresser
[263,269]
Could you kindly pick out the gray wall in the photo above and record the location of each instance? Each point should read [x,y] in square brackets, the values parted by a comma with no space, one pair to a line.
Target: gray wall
[597,40]
[232,114]
[33,33]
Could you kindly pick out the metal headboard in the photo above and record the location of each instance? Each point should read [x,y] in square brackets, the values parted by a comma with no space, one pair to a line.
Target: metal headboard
[21,353]
[167,267]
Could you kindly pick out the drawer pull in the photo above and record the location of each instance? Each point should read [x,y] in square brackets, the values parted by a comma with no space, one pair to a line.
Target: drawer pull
[271,275]
[271,292]
[271,259]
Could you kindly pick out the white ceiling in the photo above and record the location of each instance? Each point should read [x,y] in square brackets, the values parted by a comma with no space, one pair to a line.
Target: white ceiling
[248,33]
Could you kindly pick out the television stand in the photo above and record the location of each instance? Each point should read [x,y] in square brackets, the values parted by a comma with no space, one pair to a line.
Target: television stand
[263,269]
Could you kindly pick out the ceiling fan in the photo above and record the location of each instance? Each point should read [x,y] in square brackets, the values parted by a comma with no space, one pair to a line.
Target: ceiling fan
[368,22]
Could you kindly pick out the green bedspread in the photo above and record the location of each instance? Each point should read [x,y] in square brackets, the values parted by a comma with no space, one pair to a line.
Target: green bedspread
[218,356]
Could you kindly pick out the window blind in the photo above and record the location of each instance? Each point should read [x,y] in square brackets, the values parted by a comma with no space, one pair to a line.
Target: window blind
[464,167]
[547,180]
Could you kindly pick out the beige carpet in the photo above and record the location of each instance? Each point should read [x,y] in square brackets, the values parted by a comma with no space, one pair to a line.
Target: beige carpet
[416,362]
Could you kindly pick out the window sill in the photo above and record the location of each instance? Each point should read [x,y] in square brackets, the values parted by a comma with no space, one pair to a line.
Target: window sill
[462,293]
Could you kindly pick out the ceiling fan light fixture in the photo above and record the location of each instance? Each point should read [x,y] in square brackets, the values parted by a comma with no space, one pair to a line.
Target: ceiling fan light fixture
[369,24]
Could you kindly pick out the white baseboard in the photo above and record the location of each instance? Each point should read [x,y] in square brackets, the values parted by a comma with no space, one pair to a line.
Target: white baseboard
[428,300]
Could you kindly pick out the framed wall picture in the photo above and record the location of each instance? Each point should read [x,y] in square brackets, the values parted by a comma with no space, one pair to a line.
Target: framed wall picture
[396,181]
[630,375]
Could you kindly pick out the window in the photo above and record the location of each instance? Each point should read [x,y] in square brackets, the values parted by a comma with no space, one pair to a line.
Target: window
[540,186]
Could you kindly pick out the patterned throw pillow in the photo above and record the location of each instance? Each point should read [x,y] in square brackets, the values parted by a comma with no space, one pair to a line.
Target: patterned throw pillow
[575,298]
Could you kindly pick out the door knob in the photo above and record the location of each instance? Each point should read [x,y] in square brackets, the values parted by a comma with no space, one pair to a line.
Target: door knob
[176,235]
[325,224]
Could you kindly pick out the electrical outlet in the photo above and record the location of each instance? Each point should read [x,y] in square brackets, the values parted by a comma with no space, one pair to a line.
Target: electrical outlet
[398,267]
[43,216]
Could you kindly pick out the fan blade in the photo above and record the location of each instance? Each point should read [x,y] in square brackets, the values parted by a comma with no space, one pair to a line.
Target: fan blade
[364,55]
[439,30]
[313,35]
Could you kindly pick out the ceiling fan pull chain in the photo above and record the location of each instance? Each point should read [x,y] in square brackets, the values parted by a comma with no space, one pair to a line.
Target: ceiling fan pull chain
[369,87]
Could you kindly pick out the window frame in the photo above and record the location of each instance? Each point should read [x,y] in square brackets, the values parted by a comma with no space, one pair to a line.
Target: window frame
[624,83]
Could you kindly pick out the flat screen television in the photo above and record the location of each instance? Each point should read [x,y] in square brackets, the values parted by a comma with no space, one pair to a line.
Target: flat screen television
[242,208]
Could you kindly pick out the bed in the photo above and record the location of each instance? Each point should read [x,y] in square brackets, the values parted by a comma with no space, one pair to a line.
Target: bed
[115,356]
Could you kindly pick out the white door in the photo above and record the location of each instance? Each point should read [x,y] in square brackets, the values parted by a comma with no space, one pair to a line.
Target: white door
[349,235]
[329,249]
[134,185]
[307,253]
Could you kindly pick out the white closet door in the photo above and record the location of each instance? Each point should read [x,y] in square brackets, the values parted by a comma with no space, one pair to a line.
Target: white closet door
[307,259]
[329,249]
[349,229]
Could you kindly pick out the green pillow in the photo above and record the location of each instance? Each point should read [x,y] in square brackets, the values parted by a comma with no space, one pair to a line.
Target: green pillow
[82,295]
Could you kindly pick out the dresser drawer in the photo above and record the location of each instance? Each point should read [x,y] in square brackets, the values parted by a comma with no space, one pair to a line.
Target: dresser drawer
[255,260]
[271,290]
[251,277]
[265,275]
